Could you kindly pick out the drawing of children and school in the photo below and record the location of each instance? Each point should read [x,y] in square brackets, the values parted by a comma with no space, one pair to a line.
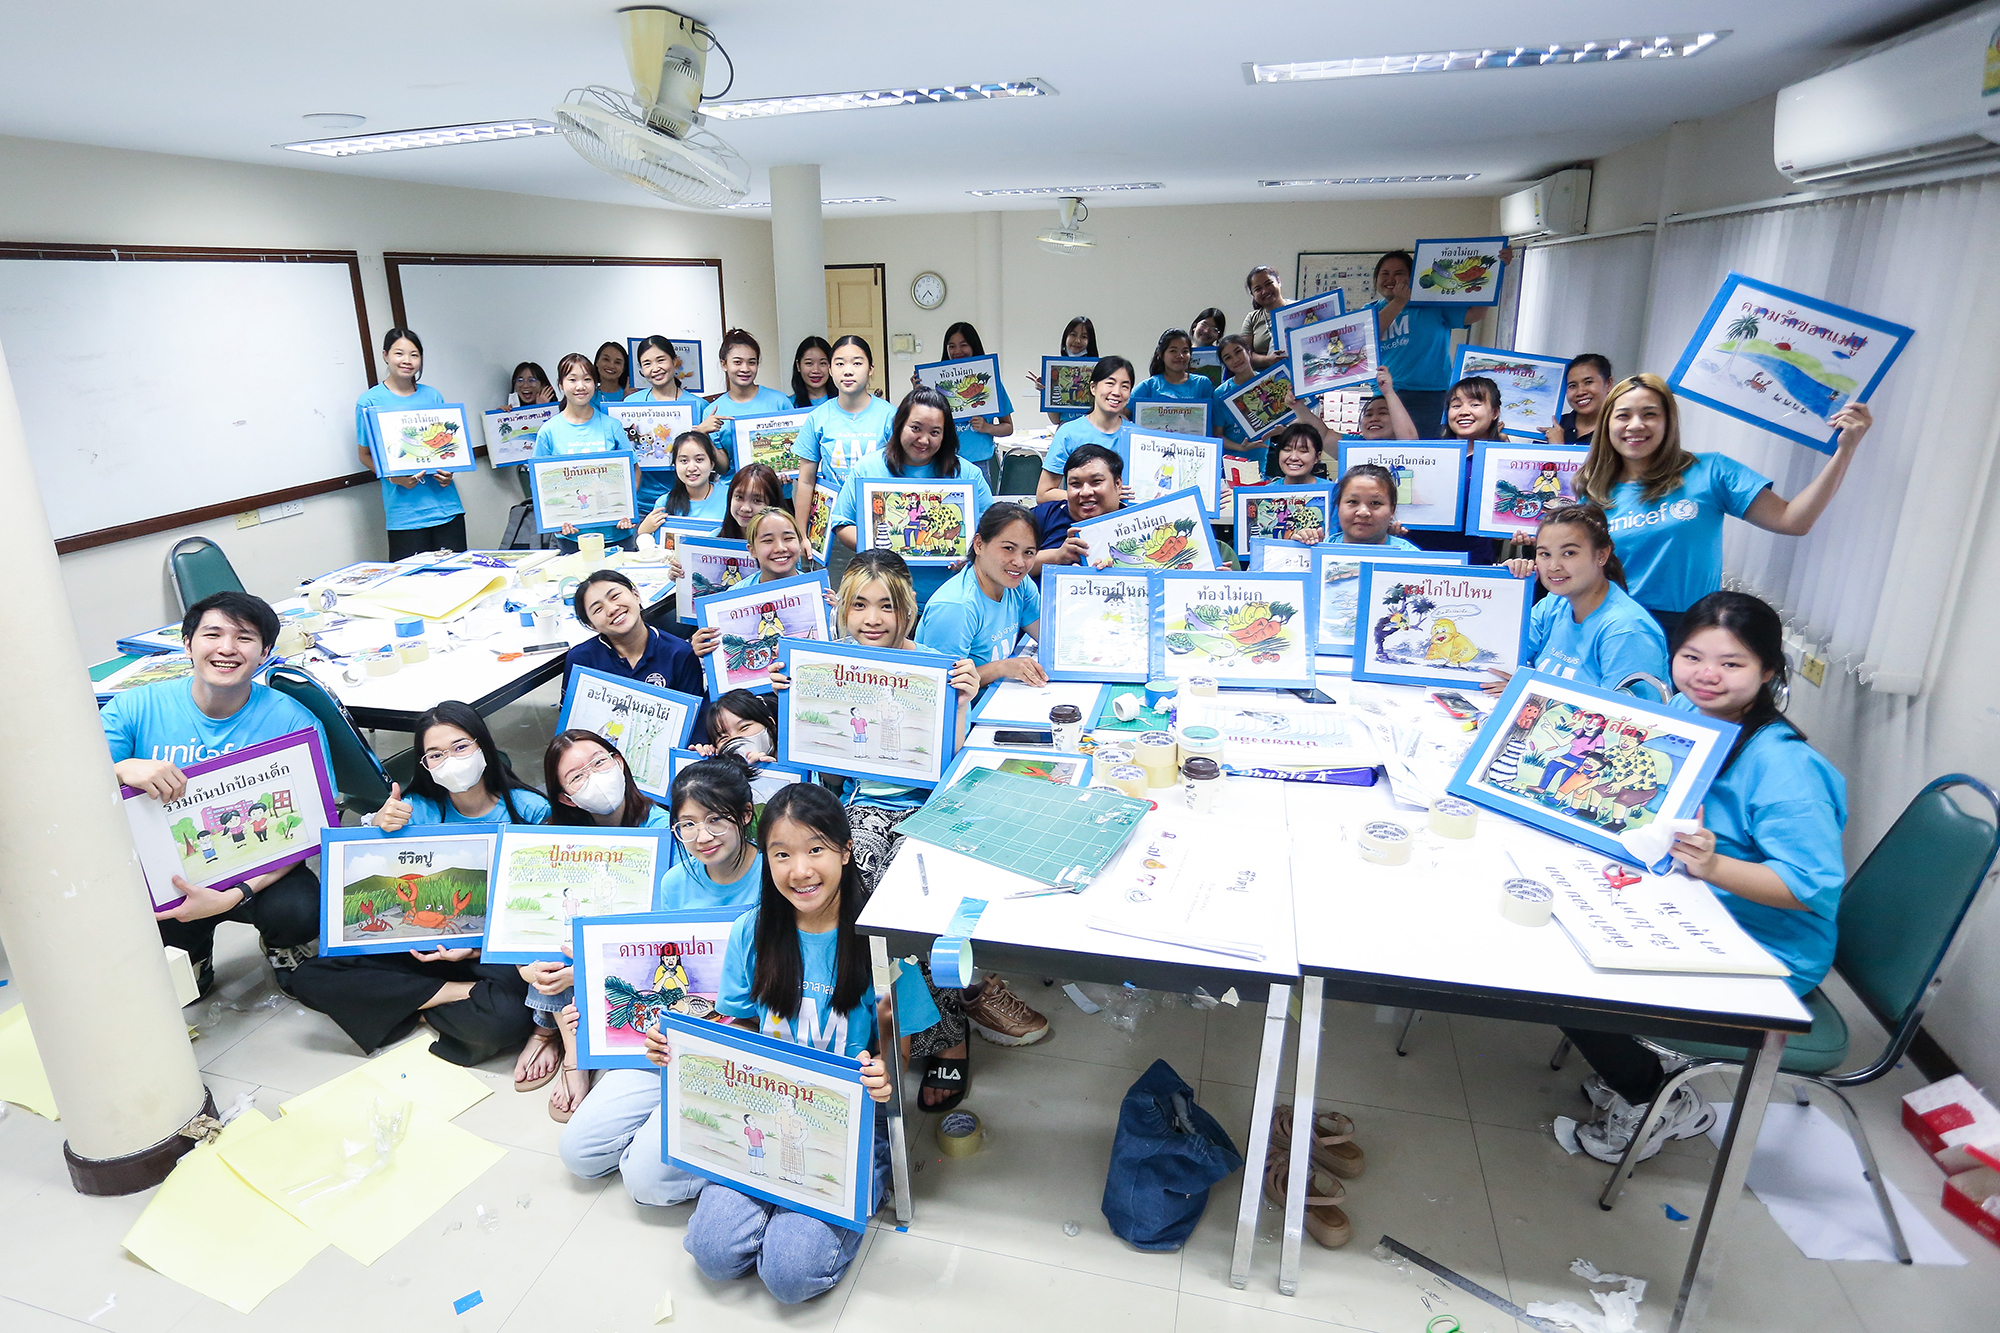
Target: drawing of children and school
[644,979]
[862,713]
[226,836]
[1298,518]
[1608,771]
[410,888]
[779,1129]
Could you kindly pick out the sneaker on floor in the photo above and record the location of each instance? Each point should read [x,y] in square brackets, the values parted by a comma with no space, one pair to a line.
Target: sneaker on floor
[1002,1017]
[1607,1137]
[284,962]
[1597,1092]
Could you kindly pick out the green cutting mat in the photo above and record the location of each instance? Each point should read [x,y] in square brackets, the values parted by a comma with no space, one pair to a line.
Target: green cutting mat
[1149,719]
[1054,834]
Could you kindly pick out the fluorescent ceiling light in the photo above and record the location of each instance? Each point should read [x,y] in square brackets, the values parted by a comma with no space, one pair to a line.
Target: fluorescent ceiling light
[436,137]
[1373,180]
[758,107]
[828,203]
[1069,189]
[1491,57]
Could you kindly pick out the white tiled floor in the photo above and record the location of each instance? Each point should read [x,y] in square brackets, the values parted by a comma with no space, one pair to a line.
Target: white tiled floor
[1460,1167]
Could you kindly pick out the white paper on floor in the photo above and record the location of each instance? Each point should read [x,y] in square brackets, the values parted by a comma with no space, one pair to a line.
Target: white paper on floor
[1808,1174]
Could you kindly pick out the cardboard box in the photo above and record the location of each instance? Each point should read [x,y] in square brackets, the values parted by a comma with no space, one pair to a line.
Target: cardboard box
[1949,1116]
[1965,1195]
[181,970]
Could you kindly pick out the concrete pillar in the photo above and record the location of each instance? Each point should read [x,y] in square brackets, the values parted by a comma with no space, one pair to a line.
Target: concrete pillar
[798,265]
[987,312]
[74,913]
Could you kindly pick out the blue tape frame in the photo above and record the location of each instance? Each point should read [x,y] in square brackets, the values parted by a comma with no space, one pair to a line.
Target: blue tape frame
[1001,404]
[1228,401]
[743,451]
[1330,644]
[1211,446]
[963,760]
[1389,569]
[706,608]
[1207,406]
[945,737]
[1348,448]
[1201,531]
[490,428]
[1261,549]
[1243,495]
[664,845]
[1560,365]
[1476,507]
[963,491]
[1296,588]
[1417,267]
[1049,404]
[578,675]
[1281,339]
[734,546]
[1362,377]
[1053,577]
[332,897]
[646,462]
[589,1053]
[375,438]
[535,466]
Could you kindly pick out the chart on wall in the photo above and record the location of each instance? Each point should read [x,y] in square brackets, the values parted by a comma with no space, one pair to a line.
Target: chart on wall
[1351,273]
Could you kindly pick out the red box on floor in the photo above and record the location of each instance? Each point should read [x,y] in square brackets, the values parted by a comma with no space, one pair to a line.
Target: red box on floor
[1964,1194]
[1948,1116]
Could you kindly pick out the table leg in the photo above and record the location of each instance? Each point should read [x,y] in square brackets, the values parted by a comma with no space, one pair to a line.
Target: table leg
[1252,1199]
[892,1055]
[1725,1183]
[1302,1130]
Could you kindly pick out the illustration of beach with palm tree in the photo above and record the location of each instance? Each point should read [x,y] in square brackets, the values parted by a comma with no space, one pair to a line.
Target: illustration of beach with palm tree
[1755,363]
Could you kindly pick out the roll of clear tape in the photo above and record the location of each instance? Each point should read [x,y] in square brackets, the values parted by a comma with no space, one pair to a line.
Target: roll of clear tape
[959,1134]
[1129,779]
[413,652]
[383,664]
[1527,902]
[1384,842]
[1160,757]
[1201,687]
[1454,818]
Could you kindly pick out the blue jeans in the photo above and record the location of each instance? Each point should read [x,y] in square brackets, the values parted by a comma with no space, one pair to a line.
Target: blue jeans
[618,1129]
[798,1256]
[546,1007]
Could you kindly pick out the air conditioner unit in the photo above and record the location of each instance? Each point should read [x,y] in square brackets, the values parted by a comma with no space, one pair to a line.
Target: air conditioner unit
[1557,206]
[1927,96]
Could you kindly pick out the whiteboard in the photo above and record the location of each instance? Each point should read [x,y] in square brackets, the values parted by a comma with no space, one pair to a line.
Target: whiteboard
[480,316]
[160,385]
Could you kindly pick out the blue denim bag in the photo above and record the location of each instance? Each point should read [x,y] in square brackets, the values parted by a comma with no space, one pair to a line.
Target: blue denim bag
[1167,1154]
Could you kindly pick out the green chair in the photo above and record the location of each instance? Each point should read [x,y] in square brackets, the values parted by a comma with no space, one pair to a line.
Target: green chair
[1020,474]
[1225,554]
[199,569]
[1898,914]
[358,775]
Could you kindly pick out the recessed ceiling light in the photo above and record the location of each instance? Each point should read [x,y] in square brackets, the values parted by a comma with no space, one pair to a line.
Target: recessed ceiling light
[828,203]
[756,107]
[1490,57]
[1373,180]
[1070,189]
[435,137]
[334,120]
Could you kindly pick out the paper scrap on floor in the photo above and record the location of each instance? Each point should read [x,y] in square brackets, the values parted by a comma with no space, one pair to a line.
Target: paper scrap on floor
[23,1081]
[209,1231]
[410,1070]
[1808,1174]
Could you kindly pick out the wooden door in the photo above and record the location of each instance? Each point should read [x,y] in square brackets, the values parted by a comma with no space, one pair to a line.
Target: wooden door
[857,301]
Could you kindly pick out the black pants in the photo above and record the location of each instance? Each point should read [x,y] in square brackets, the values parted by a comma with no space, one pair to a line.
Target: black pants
[286,914]
[1631,1071]
[446,536]
[376,999]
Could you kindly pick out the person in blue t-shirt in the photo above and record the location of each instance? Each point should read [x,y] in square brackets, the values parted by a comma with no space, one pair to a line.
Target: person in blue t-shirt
[981,610]
[1768,847]
[812,372]
[1079,338]
[977,434]
[156,730]
[1471,416]
[842,431]
[1093,476]
[1666,504]
[660,368]
[583,427]
[1235,352]
[461,781]
[923,443]
[625,644]
[614,373]
[696,491]
[1588,628]
[1168,378]
[797,970]
[1364,505]
[422,512]
[618,1126]
[1111,382]
[740,356]
[1416,339]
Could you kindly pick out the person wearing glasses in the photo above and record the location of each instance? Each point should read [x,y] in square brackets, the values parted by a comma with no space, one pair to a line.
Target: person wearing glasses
[477,1009]
[618,1128]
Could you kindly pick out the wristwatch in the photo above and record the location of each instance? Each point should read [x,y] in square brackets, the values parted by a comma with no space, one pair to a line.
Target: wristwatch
[243,889]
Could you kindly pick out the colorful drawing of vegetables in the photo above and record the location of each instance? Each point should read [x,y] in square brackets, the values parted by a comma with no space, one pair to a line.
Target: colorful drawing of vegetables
[431,441]
[1260,630]
[968,391]
[1169,546]
[1452,276]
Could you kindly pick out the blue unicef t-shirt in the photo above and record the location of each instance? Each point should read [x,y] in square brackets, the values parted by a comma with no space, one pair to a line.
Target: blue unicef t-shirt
[1672,546]
[763,403]
[560,437]
[1073,435]
[160,721]
[1416,347]
[814,1025]
[960,620]
[835,440]
[529,804]
[429,502]
[1783,806]
[1235,441]
[1615,640]
[656,482]
[1159,389]
[687,885]
[925,579]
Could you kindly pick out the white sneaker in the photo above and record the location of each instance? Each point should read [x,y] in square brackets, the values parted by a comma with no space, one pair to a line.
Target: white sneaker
[1597,1092]
[1607,1137]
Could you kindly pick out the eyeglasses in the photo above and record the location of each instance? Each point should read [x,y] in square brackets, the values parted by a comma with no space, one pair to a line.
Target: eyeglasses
[687,830]
[461,750]
[574,782]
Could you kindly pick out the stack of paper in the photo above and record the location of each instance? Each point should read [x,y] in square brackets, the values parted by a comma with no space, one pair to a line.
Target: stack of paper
[1185,880]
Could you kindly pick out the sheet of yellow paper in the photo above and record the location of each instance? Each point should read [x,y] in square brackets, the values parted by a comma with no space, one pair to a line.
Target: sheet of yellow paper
[22,1079]
[432,596]
[208,1230]
[411,1071]
[319,1163]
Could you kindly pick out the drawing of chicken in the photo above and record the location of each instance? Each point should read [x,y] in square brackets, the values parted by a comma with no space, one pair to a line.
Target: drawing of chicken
[1259,629]
[1449,646]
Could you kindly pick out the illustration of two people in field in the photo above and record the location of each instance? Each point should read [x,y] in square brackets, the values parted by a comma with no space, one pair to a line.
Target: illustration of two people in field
[792,1147]
[1608,771]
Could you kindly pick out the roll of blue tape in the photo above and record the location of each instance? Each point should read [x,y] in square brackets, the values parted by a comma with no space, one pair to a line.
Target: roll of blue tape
[951,962]
[410,627]
[1158,692]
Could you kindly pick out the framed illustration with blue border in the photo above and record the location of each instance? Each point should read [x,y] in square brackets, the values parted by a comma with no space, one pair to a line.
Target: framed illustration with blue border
[422,888]
[867,713]
[587,490]
[546,875]
[1587,764]
[1010,703]
[1066,383]
[1785,361]
[1336,570]
[771,440]
[1207,363]
[1430,479]
[631,969]
[753,619]
[1094,625]
[1303,514]
[1171,532]
[1458,271]
[510,432]
[819,527]
[1249,630]
[1340,352]
[687,349]
[1259,406]
[1173,416]
[645,723]
[786,1123]
[709,565]
[408,441]
[1512,485]
[1418,623]
[1069,770]
[927,522]
[1159,464]
[970,384]
[651,428]
[1326,305]
[1533,388]
[1275,555]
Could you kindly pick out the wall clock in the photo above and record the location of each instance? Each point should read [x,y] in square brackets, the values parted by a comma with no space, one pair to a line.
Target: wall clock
[927,290]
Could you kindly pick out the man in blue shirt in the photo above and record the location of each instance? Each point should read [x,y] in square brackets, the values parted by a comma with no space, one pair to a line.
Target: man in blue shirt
[1092,477]
[154,730]
[625,644]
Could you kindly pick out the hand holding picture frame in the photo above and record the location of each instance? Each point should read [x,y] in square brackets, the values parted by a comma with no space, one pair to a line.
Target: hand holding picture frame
[1259,406]
[819,527]
[925,522]
[867,713]
[546,875]
[1418,624]
[1302,514]
[971,385]
[1430,479]
[1460,271]
[771,440]
[510,433]
[645,723]
[410,441]
[1095,625]
[1250,630]
[1331,304]
[1171,532]
[1533,388]
[709,565]
[1066,383]
[1160,464]
[1513,485]
[421,889]
[652,429]
[1339,352]
[1172,416]
[583,490]
[1336,570]
[631,969]
[755,620]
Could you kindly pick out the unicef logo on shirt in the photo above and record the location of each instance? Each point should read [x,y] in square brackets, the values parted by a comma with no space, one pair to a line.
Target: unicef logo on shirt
[1683,509]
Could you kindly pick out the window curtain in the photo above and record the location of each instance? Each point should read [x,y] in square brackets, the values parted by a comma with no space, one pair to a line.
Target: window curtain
[1585,296]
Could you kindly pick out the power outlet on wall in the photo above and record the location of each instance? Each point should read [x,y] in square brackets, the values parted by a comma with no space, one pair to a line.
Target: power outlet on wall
[903,344]
[289,509]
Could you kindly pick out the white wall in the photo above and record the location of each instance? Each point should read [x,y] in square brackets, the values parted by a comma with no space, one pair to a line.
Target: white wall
[66,192]
[1726,159]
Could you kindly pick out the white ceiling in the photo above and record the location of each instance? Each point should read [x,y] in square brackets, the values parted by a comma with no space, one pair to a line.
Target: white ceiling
[1147,91]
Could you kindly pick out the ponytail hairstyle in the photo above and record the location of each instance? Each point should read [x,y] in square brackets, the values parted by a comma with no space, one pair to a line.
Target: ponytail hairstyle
[1089,331]
[893,572]
[778,980]
[637,805]
[721,784]
[1159,363]
[397,334]
[801,391]
[1757,627]
[1367,472]
[945,462]
[757,476]
[1481,389]
[498,780]
[677,498]
[737,338]
[1604,467]
[1591,520]
[656,343]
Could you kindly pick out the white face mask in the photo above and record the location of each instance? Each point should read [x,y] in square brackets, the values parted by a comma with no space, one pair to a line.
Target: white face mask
[755,741]
[457,775]
[602,792]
